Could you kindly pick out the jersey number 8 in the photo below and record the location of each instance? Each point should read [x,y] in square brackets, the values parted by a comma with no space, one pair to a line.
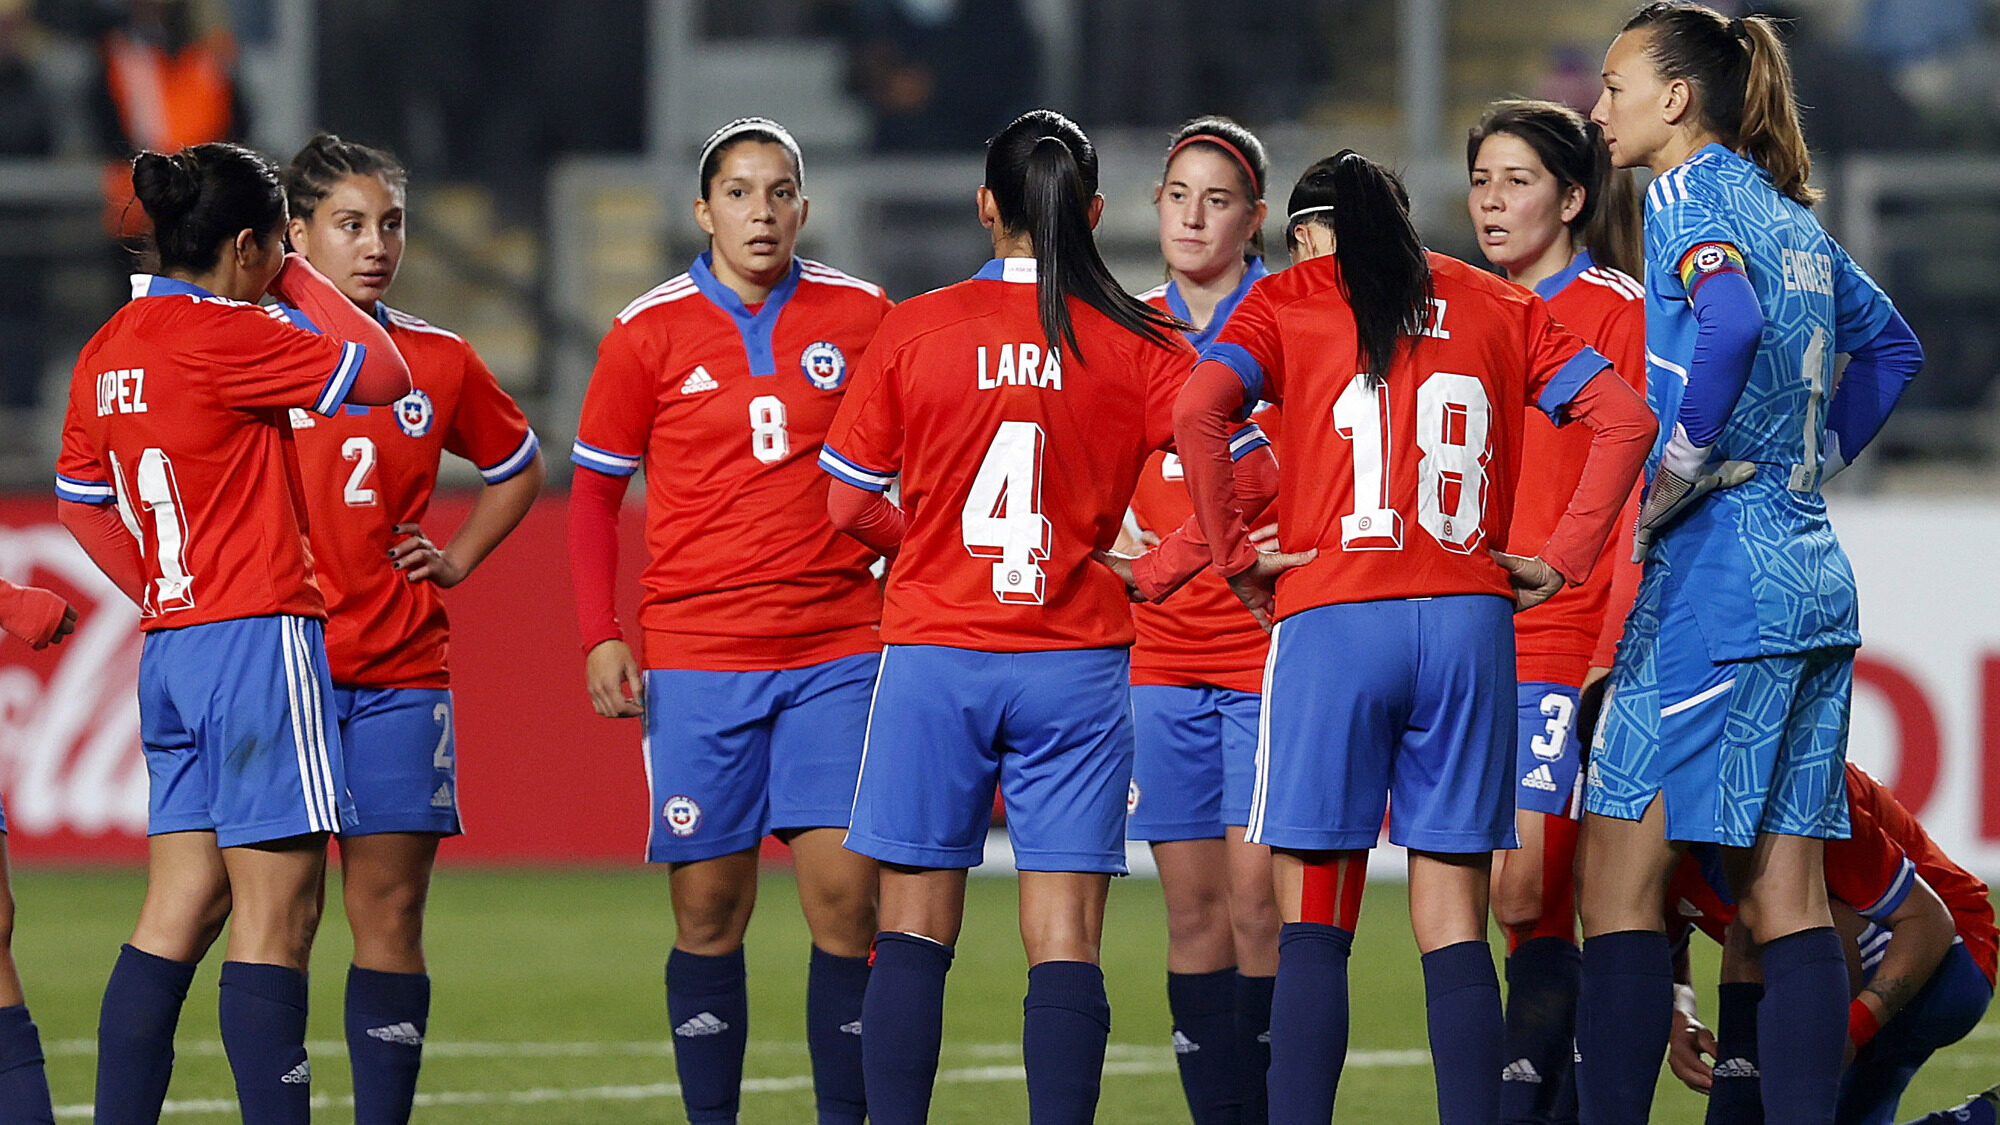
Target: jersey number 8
[1002,518]
[1454,419]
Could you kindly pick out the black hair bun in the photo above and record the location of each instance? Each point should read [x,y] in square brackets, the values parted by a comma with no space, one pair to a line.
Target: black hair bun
[166,186]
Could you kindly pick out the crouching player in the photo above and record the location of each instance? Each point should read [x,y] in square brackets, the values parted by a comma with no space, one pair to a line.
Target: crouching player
[1922,930]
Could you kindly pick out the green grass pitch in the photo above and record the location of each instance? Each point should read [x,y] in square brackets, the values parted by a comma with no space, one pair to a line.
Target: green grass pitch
[549,1007]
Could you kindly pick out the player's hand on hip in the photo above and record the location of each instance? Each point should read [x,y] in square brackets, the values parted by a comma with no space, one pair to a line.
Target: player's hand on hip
[420,560]
[1120,565]
[1671,495]
[617,687]
[1533,580]
[1265,538]
[1257,587]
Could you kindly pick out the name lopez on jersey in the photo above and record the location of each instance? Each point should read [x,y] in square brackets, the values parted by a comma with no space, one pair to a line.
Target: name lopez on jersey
[1021,365]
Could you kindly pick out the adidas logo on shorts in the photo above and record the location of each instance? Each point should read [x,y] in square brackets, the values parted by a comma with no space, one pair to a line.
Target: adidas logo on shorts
[442,798]
[704,1024]
[1521,1070]
[1184,1046]
[700,380]
[853,1028]
[1737,1068]
[1540,778]
[300,1075]
[402,1034]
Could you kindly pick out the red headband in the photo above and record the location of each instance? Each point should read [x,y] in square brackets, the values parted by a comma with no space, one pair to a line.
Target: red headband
[1249,172]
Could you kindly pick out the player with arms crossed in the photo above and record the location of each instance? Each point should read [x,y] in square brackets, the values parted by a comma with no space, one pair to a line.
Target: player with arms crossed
[368,476]
[1920,926]
[179,478]
[1017,408]
[1197,666]
[40,619]
[1392,671]
[1550,212]
[1726,715]
[722,383]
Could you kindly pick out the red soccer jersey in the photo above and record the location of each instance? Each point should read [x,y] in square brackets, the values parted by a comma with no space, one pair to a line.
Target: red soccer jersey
[1872,871]
[1403,486]
[1555,641]
[726,409]
[177,412]
[367,469]
[1016,462]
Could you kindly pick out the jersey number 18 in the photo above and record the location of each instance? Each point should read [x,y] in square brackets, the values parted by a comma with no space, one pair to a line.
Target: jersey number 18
[1454,419]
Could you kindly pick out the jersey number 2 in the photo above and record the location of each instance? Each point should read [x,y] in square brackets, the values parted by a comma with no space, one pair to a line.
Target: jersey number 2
[1454,420]
[1002,518]
[160,498]
[361,451]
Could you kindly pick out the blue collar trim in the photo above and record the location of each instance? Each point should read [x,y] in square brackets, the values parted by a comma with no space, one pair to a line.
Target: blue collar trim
[382,313]
[1018,270]
[159,285]
[1202,337]
[756,329]
[1555,283]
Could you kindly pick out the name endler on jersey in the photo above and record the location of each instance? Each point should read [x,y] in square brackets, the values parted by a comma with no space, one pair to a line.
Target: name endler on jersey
[1808,271]
[1021,365]
[121,392]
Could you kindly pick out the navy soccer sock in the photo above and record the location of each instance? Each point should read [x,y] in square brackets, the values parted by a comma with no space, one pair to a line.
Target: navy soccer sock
[1543,975]
[708,1004]
[1737,1097]
[1066,1020]
[1308,1022]
[24,1084]
[387,1016]
[1253,1045]
[1980,1110]
[1804,1018]
[1462,1003]
[1203,1006]
[1623,1017]
[135,1035]
[834,990]
[902,1026]
[263,1009]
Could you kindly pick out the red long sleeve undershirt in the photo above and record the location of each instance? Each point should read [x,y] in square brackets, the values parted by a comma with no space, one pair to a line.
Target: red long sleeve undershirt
[594,500]
[384,376]
[1621,428]
[30,613]
[103,536]
[867,516]
[1185,552]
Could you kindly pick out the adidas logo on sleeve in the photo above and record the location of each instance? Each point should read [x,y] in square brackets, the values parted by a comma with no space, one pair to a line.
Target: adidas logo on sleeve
[706,1023]
[698,381]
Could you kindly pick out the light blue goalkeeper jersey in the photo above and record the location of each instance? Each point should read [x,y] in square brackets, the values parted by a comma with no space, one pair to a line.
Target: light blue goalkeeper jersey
[1757,565]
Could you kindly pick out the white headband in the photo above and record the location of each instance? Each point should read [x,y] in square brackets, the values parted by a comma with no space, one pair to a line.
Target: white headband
[1297,216]
[743,125]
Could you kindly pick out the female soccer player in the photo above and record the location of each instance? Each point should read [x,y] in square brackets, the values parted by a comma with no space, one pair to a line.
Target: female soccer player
[759,662]
[1393,669]
[41,619]
[1017,408]
[1197,667]
[178,417]
[368,477]
[1549,211]
[1726,718]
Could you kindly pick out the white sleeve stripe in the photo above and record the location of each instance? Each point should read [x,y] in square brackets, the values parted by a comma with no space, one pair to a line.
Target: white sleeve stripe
[603,462]
[85,492]
[1893,896]
[1247,435]
[514,462]
[853,474]
[337,387]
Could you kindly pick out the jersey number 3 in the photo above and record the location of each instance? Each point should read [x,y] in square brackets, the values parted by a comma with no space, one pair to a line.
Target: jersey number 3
[1002,518]
[1454,419]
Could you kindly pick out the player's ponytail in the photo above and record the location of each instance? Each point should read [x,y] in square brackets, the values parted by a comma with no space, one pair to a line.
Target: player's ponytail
[325,161]
[1572,150]
[1042,172]
[1384,272]
[1742,81]
[201,198]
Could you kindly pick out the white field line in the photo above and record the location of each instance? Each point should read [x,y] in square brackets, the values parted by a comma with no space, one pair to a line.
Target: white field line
[1120,1060]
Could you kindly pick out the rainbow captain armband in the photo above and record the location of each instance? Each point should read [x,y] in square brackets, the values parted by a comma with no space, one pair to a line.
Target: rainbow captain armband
[1707,259]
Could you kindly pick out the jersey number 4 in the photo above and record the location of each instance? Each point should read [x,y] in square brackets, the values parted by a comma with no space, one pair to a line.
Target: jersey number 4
[1454,419]
[1002,518]
[160,502]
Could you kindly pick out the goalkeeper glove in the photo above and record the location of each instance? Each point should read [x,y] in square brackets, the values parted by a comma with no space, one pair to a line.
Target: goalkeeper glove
[1672,495]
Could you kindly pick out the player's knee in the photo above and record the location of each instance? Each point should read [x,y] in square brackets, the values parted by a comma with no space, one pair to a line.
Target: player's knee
[389,915]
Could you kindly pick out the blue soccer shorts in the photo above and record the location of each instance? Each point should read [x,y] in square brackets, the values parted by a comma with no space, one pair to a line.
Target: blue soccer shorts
[1945,1010]
[1547,759]
[1053,730]
[1735,749]
[239,729]
[1196,758]
[1389,705]
[732,756]
[402,759]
